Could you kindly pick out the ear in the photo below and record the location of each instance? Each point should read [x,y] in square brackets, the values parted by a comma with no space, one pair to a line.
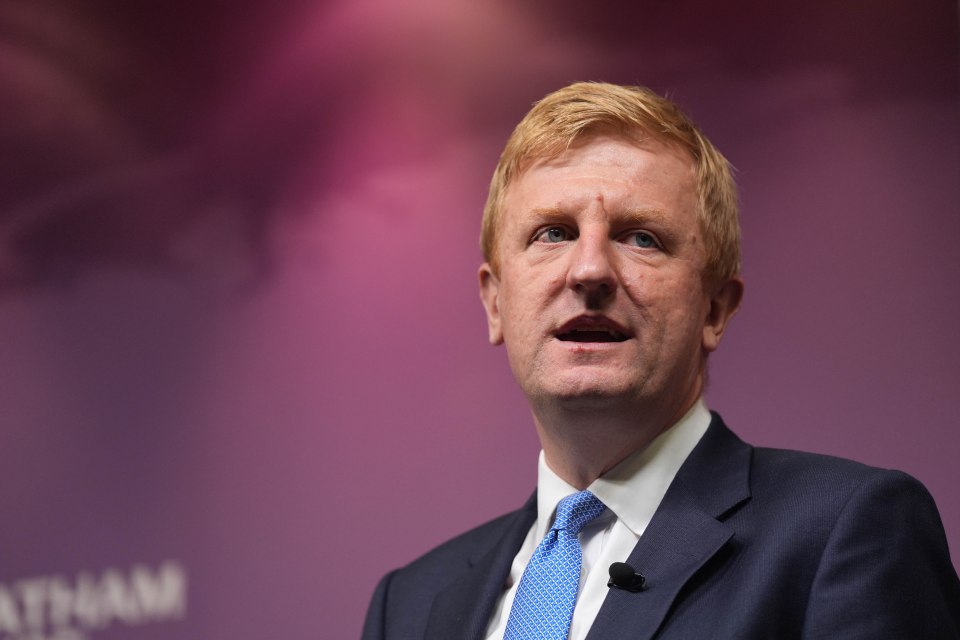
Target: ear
[724,302]
[490,296]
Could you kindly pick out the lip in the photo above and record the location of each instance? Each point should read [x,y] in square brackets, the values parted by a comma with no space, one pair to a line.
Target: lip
[593,323]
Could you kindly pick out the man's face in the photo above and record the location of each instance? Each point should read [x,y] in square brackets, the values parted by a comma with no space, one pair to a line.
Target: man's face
[600,294]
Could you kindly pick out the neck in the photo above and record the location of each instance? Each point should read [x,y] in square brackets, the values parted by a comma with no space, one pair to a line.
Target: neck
[584,441]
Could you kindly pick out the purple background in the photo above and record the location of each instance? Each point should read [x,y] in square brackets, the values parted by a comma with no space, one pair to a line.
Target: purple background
[239,325]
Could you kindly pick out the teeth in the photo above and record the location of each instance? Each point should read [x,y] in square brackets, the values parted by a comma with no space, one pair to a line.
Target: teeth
[612,334]
[596,329]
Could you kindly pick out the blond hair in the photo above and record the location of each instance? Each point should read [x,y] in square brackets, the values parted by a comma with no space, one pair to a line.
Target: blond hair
[584,108]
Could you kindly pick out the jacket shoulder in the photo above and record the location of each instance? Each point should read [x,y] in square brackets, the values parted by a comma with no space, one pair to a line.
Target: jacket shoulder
[820,476]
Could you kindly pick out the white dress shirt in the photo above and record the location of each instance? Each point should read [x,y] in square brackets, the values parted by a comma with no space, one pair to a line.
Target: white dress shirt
[632,491]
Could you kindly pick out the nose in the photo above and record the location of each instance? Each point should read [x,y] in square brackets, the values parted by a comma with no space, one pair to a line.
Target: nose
[591,272]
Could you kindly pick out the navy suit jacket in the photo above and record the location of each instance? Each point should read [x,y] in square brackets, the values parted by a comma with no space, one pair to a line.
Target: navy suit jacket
[747,543]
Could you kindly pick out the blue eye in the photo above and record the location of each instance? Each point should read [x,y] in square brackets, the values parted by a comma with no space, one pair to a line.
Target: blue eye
[553,235]
[643,240]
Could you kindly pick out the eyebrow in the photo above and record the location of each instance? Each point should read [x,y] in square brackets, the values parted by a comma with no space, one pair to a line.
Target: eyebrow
[645,215]
[635,216]
[546,212]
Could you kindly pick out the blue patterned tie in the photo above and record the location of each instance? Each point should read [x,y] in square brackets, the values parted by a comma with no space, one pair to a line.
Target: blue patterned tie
[543,606]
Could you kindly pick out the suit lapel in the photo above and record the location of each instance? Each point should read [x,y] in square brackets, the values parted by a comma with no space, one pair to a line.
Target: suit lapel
[686,531]
[463,609]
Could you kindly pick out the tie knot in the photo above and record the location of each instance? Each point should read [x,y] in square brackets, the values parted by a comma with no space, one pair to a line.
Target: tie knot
[577,510]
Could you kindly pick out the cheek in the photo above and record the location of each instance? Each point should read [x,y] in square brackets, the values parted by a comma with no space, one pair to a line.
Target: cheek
[524,305]
[675,302]
[517,310]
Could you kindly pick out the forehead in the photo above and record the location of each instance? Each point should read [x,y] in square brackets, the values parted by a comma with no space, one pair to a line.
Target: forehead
[623,172]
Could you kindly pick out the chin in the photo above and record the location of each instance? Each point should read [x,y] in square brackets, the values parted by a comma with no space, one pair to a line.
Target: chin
[588,394]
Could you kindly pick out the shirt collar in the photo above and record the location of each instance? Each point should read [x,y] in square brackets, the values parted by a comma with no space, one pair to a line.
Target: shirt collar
[633,489]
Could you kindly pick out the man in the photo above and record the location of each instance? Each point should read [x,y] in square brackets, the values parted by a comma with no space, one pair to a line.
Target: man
[611,243]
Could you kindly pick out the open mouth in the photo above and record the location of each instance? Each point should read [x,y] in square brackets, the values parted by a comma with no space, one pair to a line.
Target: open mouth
[592,334]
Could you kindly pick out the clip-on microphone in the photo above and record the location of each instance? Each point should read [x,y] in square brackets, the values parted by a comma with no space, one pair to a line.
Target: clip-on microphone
[623,576]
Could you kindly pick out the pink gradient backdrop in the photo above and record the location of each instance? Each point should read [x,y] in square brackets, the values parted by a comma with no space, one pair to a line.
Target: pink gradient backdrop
[238,308]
